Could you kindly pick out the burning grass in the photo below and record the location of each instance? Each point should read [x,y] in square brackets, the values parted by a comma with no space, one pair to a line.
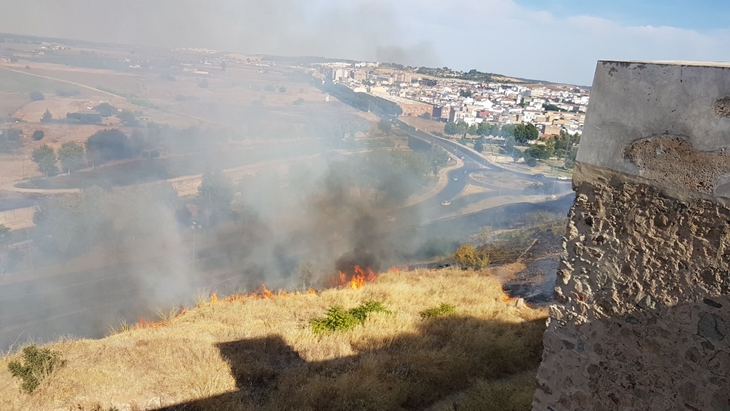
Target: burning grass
[257,353]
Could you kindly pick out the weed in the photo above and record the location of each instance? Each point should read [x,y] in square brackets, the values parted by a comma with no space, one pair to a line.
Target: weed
[338,319]
[201,298]
[38,364]
[438,311]
[167,316]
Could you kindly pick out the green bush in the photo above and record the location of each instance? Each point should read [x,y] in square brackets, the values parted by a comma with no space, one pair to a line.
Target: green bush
[38,364]
[469,257]
[438,311]
[337,319]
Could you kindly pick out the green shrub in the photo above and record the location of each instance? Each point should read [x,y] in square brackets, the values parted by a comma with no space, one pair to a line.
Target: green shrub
[438,311]
[469,257]
[38,364]
[337,319]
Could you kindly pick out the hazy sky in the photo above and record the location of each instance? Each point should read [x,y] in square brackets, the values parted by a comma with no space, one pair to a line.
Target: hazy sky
[557,40]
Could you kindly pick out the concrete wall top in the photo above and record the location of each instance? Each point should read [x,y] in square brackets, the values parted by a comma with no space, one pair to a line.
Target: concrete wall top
[686,104]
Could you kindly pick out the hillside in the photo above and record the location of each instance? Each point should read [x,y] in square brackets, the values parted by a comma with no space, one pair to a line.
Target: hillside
[261,353]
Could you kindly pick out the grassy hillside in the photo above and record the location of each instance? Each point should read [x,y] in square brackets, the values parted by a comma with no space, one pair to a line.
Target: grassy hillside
[261,354]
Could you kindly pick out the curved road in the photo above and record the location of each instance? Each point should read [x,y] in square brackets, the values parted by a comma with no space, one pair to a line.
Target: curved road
[86,302]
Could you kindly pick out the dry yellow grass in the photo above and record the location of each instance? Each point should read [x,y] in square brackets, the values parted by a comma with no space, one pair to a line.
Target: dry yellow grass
[251,354]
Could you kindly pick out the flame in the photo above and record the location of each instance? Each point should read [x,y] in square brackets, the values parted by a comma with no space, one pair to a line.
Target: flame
[312,291]
[358,279]
[262,292]
[213,297]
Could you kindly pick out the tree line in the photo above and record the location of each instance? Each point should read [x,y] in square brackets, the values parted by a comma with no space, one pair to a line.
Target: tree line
[522,133]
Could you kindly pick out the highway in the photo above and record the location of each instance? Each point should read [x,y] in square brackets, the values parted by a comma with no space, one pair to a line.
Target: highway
[86,302]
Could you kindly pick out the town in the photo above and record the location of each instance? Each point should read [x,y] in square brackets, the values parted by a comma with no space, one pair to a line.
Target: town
[551,108]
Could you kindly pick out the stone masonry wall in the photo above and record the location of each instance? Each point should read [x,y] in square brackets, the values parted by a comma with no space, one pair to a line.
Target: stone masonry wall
[643,321]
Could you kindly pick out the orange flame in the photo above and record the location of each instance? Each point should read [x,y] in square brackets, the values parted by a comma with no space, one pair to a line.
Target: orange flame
[262,292]
[312,291]
[213,297]
[358,279]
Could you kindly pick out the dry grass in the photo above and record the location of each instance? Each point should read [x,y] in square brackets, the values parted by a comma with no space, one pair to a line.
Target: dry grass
[246,353]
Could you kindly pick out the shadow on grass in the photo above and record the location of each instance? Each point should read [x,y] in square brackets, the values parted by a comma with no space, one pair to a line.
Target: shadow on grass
[409,372]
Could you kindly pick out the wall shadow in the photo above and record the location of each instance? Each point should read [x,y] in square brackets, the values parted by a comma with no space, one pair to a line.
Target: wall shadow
[411,372]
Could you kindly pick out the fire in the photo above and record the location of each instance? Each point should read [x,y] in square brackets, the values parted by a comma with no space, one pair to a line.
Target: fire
[312,291]
[214,297]
[262,292]
[358,279]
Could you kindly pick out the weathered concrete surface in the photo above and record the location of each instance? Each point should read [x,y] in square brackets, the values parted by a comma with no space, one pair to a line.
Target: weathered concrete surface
[643,289]
[636,100]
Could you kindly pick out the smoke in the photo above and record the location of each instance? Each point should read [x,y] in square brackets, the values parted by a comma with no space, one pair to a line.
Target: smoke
[364,30]
[421,54]
[122,253]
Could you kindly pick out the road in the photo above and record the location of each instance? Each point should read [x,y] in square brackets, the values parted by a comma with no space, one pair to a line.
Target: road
[86,302]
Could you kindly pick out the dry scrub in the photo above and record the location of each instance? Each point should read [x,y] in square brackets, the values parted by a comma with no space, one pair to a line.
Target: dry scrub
[261,354]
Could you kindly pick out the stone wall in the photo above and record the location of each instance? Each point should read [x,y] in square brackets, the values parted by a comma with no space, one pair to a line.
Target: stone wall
[642,320]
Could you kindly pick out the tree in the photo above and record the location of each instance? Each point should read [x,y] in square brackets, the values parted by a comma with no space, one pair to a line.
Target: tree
[270,88]
[11,140]
[305,274]
[538,152]
[107,145]
[203,83]
[451,129]
[106,110]
[45,158]
[485,234]
[38,135]
[472,130]
[215,195]
[71,156]
[128,118]
[384,126]
[282,89]
[465,93]
[479,145]
[469,257]
[36,95]
[47,116]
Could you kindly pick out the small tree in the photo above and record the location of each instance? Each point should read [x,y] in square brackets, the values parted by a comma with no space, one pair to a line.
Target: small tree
[451,129]
[38,363]
[215,195]
[203,83]
[71,156]
[282,89]
[45,158]
[38,135]
[485,235]
[469,257]
[36,95]
[106,110]
[305,274]
[47,116]
[479,145]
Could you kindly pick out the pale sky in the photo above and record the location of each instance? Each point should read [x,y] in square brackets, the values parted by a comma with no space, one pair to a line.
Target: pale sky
[555,40]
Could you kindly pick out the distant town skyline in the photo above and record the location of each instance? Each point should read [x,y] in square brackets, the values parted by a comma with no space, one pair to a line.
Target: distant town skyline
[554,40]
